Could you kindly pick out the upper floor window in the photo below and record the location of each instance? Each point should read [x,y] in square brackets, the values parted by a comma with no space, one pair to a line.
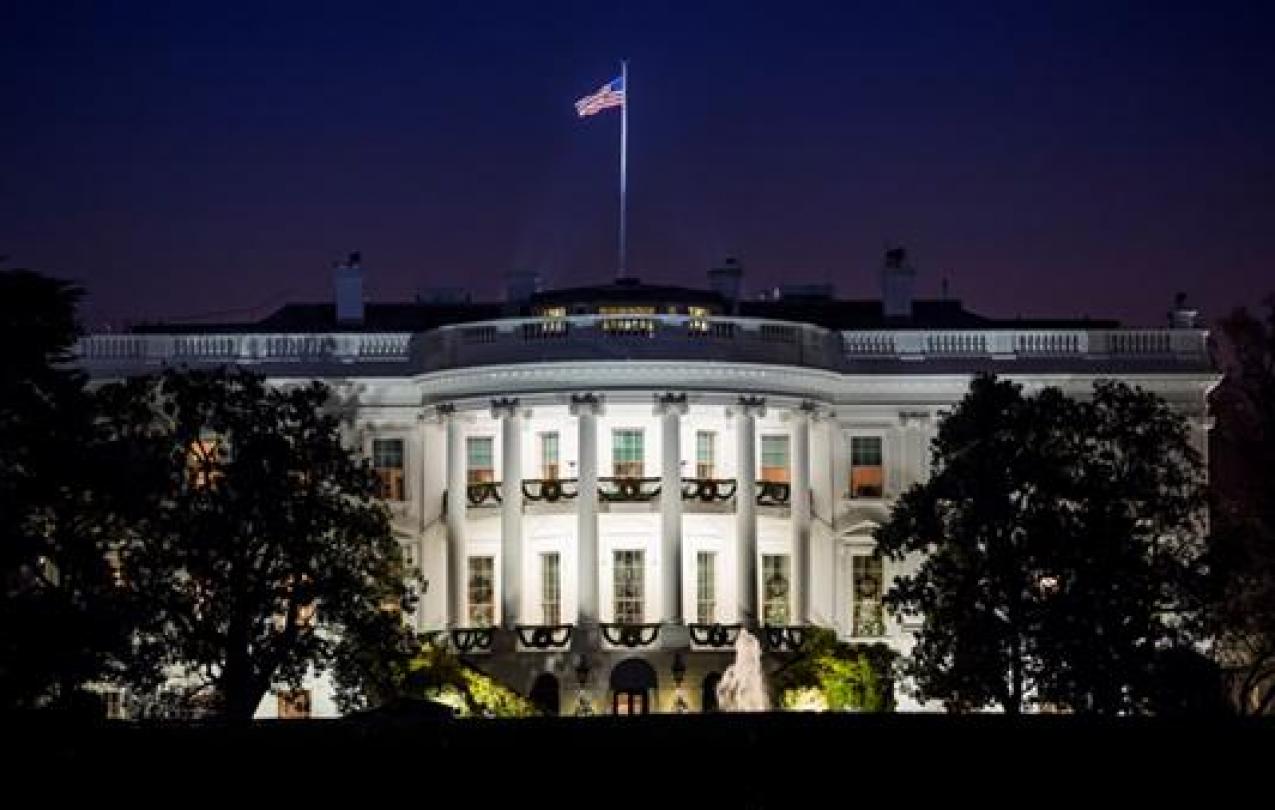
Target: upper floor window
[482,591]
[627,453]
[867,474]
[705,453]
[774,458]
[549,456]
[868,582]
[705,587]
[294,704]
[478,450]
[630,585]
[387,460]
[775,583]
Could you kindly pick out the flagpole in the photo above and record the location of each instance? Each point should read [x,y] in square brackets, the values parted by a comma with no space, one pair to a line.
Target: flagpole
[624,152]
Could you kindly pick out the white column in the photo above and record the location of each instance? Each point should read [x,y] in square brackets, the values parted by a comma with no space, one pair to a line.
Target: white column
[800,510]
[670,407]
[456,503]
[746,413]
[506,410]
[586,408]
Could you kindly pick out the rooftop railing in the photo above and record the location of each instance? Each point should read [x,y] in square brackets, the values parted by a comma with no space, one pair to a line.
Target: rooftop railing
[642,337]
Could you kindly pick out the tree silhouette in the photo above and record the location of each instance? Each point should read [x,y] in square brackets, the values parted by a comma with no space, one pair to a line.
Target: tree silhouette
[60,615]
[1243,538]
[267,553]
[1060,549]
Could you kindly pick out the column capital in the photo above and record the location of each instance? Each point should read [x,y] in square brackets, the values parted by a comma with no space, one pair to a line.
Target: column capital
[503,407]
[914,418]
[750,406]
[445,410]
[670,403]
[587,405]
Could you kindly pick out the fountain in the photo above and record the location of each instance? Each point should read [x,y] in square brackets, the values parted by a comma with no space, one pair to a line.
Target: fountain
[743,686]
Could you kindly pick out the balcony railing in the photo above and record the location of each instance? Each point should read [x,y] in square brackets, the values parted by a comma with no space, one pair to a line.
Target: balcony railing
[483,493]
[1181,345]
[550,490]
[258,347]
[708,490]
[628,490]
[773,493]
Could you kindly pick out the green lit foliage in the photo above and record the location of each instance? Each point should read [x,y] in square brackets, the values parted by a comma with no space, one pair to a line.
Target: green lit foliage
[837,676]
[437,674]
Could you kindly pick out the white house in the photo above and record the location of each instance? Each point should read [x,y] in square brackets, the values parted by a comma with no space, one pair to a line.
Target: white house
[621,475]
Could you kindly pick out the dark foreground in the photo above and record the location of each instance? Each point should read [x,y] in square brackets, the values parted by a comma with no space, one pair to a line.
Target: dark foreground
[740,761]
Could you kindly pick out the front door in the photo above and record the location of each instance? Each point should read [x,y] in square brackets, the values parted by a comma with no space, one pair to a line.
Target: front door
[629,703]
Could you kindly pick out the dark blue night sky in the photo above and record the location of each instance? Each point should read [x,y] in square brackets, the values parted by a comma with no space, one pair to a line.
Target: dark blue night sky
[1049,160]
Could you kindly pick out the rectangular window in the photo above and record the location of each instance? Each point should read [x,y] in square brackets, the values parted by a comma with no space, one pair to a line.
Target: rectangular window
[549,456]
[294,705]
[774,458]
[627,453]
[550,589]
[867,474]
[869,617]
[478,450]
[705,454]
[482,591]
[387,460]
[630,585]
[705,587]
[775,582]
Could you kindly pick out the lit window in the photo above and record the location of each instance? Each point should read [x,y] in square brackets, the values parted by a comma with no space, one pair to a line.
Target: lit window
[479,453]
[482,591]
[774,458]
[866,471]
[869,617]
[294,704]
[626,453]
[550,589]
[705,453]
[775,586]
[699,319]
[549,456]
[629,586]
[705,587]
[203,461]
[387,460]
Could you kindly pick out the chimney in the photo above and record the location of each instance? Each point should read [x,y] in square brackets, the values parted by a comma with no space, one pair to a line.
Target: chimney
[520,286]
[1183,316]
[897,281]
[347,283]
[726,280]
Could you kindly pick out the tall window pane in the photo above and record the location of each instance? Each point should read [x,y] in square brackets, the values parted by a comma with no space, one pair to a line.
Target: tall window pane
[630,579]
[387,461]
[482,591]
[705,454]
[775,584]
[549,456]
[869,618]
[550,589]
[627,453]
[867,474]
[705,587]
[481,467]
[774,458]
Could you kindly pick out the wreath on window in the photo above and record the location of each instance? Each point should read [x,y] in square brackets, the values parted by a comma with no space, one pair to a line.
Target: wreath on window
[707,490]
[551,490]
[776,586]
[629,488]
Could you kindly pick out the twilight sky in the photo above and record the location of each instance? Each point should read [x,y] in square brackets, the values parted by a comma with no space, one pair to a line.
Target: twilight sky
[187,159]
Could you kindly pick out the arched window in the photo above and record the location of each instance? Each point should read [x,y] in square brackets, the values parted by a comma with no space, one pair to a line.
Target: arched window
[633,685]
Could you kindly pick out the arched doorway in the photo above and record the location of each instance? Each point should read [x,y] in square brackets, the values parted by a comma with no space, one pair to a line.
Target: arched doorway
[708,696]
[633,687]
[545,695]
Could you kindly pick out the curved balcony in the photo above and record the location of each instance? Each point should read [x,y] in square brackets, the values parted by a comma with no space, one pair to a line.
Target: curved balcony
[485,493]
[630,635]
[550,490]
[628,490]
[544,636]
[773,493]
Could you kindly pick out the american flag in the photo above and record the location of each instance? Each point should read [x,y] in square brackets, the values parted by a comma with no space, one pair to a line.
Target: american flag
[609,95]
